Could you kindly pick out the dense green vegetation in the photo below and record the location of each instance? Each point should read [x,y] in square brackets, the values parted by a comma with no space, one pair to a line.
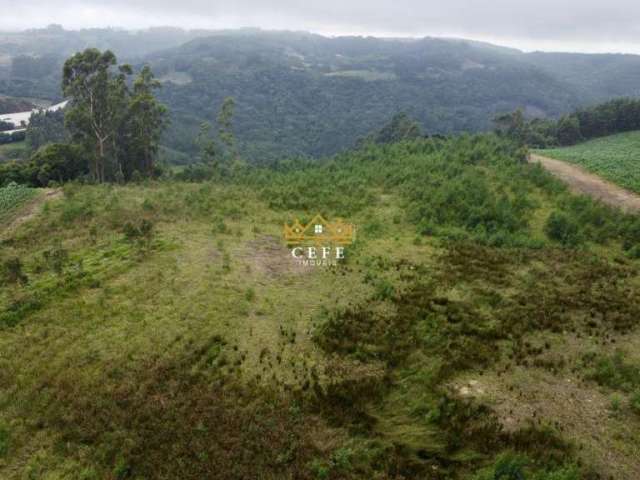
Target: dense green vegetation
[13,151]
[615,116]
[6,138]
[161,330]
[37,55]
[295,99]
[299,94]
[616,158]
[45,127]
[51,164]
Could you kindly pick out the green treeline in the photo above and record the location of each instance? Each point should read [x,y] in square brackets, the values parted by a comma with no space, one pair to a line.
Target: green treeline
[614,116]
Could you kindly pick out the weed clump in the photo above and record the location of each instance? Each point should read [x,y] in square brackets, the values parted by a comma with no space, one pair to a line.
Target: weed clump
[635,402]
[13,272]
[4,440]
[613,371]
[562,229]
[141,233]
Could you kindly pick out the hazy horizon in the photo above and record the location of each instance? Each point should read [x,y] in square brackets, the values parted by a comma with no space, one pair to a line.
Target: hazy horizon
[574,26]
[497,43]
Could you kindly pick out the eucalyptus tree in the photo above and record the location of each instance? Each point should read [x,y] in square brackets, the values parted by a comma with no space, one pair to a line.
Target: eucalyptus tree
[119,125]
[96,93]
[147,120]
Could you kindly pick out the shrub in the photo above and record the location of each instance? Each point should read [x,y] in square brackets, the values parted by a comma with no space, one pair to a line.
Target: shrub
[56,258]
[74,210]
[615,372]
[141,233]
[507,467]
[57,162]
[616,403]
[341,458]
[384,290]
[12,271]
[250,295]
[320,469]
[4,440]
[635,402]
[560,228]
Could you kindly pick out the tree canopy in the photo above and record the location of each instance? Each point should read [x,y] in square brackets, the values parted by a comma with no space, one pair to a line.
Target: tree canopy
[119,126]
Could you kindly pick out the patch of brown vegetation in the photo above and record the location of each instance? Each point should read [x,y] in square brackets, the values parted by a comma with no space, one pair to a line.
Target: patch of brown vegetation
[158,422]
[269,256]
[526,396]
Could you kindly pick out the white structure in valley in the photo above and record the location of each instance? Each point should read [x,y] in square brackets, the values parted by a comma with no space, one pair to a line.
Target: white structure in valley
[20,120]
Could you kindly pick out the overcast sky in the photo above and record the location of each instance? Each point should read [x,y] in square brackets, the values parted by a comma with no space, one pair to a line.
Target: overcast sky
[568,25]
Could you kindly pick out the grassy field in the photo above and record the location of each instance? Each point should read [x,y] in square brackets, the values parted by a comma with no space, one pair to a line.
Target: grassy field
[616,158]
[483,326]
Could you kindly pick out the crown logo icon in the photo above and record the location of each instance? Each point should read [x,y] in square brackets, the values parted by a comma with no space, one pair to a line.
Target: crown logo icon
[319,231]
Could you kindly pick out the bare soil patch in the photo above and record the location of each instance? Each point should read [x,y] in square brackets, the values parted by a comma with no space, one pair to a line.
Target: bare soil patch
[269,256]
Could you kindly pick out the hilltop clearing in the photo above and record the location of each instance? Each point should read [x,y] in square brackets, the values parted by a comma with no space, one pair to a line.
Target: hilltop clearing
[484,321]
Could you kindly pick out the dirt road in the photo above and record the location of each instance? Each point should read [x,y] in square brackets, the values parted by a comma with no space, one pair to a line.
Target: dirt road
[586,183]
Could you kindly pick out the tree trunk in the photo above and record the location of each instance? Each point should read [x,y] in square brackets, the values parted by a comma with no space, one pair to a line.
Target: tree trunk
[147,160]
[100,161]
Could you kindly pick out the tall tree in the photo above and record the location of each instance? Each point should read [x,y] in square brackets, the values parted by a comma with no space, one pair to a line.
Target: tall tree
[147,118]
[400,128]
[98,92]
[45,127]
[208,148]
[225,126]
[221,157]
[513,125]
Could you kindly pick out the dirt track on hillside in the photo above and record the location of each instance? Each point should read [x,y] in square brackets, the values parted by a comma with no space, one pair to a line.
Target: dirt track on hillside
[581,181]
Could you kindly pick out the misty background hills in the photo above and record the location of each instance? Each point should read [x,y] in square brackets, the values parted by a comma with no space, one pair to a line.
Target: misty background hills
[302,94]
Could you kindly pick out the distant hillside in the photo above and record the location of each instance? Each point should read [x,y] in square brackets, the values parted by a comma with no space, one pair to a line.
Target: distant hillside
[305,94]
[31,61]
[58,42]
[598,76]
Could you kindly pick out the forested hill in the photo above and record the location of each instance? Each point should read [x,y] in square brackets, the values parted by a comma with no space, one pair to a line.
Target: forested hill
[598,76]
[305,94]
[311,95]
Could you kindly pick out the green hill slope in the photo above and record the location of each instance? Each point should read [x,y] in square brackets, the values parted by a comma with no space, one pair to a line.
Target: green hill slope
[162,331]
[302,94]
